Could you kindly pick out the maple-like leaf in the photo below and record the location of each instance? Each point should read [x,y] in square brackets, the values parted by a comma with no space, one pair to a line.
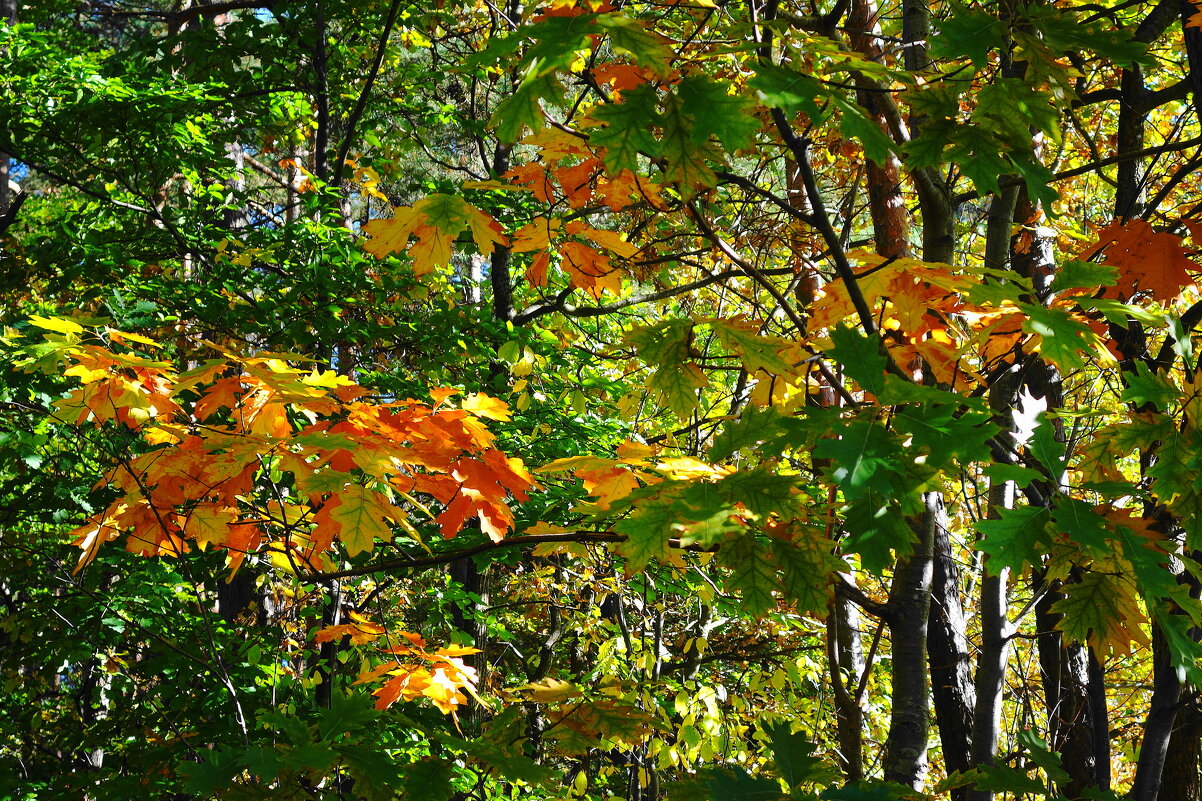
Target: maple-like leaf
[436,221]
[360,630]
[648,529]
[535,235]
[610,240]
[627,131]
[483,405]
[523,109]
[357,515]
[608,485]
[1103,610]
[1147,260]
[717,112]
[589,269]
[808,567]
[753,572]
[686,158]
[96,532]
[648,48]
[676,378]
[209,523]
[579,726]
[1062,338]
[577,182]
[756,351]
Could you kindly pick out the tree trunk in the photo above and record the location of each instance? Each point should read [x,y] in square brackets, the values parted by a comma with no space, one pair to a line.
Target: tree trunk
[1182,776]
[886,206]
[1076,726]
[909,607]
[947,648]
[846,659]
[1167,688]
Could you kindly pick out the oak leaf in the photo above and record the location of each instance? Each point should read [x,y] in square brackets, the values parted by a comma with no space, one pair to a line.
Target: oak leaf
[358,516]
[1147,260]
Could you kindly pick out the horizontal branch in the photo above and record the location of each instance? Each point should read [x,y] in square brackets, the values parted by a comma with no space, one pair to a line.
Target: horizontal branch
[557,304]
[1093,166]
[454,556]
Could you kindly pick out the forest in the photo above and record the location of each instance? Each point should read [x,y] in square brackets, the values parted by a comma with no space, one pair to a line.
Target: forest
[601,400]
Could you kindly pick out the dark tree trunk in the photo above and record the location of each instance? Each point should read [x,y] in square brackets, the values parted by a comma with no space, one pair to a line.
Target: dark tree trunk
[235,595]
[1167,689]
[1076,724]
[905,759]
[1182,776]
[1129,137]
[327,654]
[947,648]
[1135,101]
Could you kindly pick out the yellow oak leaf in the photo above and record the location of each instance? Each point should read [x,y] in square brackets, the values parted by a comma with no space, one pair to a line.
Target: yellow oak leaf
[608,485]
[483,405]
[209,523]
[358,516]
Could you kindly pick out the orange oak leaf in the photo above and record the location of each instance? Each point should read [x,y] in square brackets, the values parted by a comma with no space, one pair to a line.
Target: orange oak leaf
[1147,260]
[360,630]
[610,240]
[626,189]
[1195,19]
[589,269]
[209,523]
[535,235]
[535,177]
[577,182]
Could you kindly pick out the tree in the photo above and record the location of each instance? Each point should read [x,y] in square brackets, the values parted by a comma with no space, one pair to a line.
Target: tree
[515,398]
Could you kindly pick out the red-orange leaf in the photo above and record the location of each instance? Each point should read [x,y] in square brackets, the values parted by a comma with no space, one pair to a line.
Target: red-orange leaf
[1147,260]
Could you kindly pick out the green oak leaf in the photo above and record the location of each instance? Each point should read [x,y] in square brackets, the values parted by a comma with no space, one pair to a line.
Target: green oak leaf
[1077,274]
[787,89]
[753,572]
[1086,527]
[761,490]
[646,47]
[747,430]
[1062,338]
[523,108]
[876,529]
[627,133]
[1144,387]
[793,754]
[968,32]
[1017,537]
[757,352]
[648,529]
[686,160]
[1102,610]
[717,112]
[860,356]
[808,566]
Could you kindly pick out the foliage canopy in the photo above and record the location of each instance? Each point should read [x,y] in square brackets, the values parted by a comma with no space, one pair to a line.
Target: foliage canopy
[580,400]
